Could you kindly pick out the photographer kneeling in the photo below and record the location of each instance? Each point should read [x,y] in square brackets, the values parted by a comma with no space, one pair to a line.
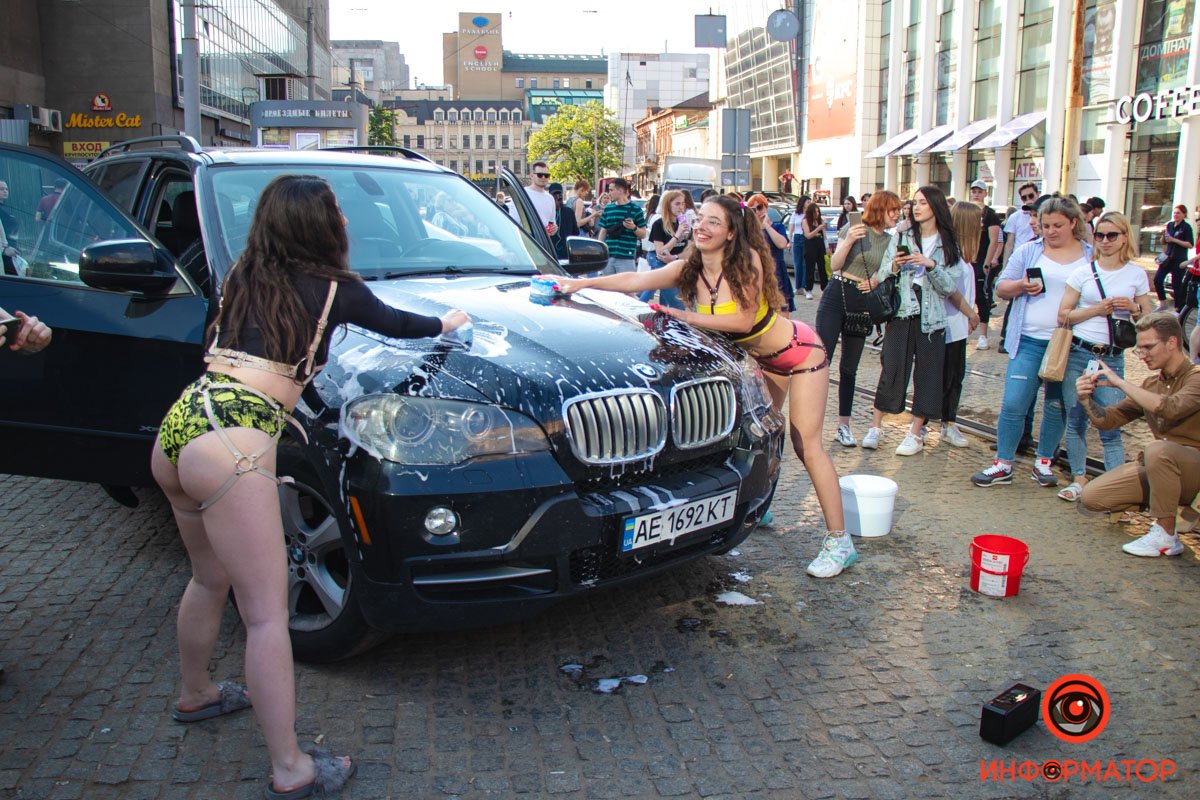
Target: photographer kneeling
[1167,473]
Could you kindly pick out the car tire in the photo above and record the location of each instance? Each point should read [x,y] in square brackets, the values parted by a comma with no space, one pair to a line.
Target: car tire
[325,620]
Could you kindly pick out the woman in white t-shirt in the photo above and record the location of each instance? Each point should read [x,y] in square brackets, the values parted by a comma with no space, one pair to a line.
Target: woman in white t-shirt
[1127,296]
[1034,279]
[799,243]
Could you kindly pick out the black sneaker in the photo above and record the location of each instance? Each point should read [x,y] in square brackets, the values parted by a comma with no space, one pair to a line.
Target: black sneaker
[998,472]
[1042,473]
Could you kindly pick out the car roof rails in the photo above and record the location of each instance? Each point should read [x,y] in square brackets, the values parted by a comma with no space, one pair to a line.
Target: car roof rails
[380,149]
[183,142]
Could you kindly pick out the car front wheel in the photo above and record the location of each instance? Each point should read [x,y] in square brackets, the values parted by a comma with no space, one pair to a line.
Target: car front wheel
[325,620]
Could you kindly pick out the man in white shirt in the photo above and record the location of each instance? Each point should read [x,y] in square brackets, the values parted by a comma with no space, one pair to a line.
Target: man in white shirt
[543,201]
[1016,228]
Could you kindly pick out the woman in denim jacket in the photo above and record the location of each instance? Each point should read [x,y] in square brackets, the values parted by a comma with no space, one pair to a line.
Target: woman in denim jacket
[1032,320]
[917,334]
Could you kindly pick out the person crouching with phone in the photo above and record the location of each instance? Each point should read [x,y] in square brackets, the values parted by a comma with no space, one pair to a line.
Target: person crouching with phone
[1035,279]
[22,333]
[1111,291]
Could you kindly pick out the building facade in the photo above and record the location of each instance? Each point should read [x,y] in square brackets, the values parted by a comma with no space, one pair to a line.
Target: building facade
[471,137]
[76,82]
[476,64]
[657,135]
[639,81]
[980,90]
[377,68]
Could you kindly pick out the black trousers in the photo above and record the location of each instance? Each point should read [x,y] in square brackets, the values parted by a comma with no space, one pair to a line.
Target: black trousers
[985,283]
[954,371]
[814,258]
[1174,268]
[904,344]
[829,327]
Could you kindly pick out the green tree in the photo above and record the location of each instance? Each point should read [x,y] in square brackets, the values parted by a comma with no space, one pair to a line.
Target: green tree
[381,126]
[578,141]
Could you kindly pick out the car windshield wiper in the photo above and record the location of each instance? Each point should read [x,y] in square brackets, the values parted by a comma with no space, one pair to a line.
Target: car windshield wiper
[452,270]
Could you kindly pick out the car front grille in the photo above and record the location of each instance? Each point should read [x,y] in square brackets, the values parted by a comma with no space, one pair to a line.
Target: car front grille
[616,427]
[591,566]
[702,412]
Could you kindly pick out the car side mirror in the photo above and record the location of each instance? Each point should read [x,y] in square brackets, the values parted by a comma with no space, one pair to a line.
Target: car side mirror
[127,265]
[584,255]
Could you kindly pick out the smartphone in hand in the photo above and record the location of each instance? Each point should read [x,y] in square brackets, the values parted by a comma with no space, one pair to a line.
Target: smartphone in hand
[1034,275]
[854,218]
[9,328]
[1093,367]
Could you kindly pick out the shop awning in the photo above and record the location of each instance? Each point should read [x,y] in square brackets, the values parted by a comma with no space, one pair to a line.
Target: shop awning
[893,144]
[1009,131]
[925,141]
[963,137]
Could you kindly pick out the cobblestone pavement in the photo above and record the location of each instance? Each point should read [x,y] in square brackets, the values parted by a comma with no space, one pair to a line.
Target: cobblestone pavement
[868,685]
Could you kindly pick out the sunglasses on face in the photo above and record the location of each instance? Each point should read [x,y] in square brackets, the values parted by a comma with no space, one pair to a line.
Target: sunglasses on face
[1029,197]
[541,174]
[1106,236]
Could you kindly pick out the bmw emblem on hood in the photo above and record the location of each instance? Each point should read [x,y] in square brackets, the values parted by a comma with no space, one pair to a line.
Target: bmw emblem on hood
[645,370]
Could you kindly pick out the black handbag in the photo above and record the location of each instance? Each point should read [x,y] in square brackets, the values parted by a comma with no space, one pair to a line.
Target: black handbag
[854,323]
[881,299]
[1121,332]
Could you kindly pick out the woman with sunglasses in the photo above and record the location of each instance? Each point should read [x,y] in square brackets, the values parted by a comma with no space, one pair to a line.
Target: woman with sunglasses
[1126,296]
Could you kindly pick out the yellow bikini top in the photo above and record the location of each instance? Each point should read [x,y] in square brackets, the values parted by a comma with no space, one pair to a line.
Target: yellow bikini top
[763,317]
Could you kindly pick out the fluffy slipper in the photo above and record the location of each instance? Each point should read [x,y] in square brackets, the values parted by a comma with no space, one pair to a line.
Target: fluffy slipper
[233,698]
[1071,493]
[331,776]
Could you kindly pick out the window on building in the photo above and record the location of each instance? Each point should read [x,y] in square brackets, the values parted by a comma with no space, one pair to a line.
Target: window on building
[1034,48]
[506,165]
[439,163]
[491,115]
[520,83]
[453,142]
[587,84]
[478,141]
[566,83]
[504,115]
[420,141]
[947,62]
[479,115]
[533,83]
[986,97]
[912,66]
[454,164]
[518,167]
[452,115]
[504,141]
[556,83]
[491,141]
[885,62]
[407,140]
[439,115]
[277,89]
[479,165]
[516,115]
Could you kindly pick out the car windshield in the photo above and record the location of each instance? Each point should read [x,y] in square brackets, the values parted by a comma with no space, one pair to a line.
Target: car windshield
[399,221]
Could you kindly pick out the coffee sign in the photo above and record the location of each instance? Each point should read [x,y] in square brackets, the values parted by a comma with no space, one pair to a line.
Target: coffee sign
[1166,103]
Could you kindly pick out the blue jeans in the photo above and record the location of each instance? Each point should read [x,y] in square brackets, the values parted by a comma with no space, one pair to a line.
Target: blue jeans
[1020,390]
[798,261]
[666,297]
[1077,419]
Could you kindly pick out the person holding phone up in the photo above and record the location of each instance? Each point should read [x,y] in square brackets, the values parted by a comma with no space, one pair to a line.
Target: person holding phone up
[1035,280]
[22,333]
[1111,287]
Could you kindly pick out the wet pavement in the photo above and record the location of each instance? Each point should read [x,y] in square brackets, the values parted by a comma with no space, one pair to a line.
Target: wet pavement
[868,685]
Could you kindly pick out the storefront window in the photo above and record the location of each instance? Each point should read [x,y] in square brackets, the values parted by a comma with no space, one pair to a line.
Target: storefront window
[987,66]
[1162,58]
[1099,21]
[947,63]
[1091,134]
[1034,48]
[1150,181]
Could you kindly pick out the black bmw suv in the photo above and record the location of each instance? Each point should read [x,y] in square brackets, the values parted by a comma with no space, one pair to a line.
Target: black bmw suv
[557,448]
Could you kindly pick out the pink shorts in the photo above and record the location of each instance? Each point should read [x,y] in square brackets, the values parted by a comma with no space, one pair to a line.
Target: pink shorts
[787,360]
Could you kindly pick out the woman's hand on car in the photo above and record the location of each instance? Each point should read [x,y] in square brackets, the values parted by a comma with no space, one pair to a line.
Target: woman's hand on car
[454,320]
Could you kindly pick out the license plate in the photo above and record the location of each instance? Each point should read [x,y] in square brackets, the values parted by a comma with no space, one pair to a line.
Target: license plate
[671,523]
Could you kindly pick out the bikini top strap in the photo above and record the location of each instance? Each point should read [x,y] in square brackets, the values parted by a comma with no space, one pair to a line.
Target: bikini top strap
[321,323]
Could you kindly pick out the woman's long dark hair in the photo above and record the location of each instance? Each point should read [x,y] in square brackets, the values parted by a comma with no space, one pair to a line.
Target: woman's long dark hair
[951,253]
[812,215]
[736,262]
[297,229]
[800,201]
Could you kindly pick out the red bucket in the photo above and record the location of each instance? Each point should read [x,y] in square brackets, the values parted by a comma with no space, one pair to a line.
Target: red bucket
[996,564]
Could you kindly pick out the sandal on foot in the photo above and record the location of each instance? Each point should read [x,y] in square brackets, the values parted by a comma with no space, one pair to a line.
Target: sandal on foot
[331,777]
[233,698]
[1071,493]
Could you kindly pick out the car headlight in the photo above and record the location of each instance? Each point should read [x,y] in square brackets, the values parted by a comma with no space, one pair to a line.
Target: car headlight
[429,431]
[754,385]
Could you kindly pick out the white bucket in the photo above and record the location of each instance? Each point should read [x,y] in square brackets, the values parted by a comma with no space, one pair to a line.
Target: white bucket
[868,502]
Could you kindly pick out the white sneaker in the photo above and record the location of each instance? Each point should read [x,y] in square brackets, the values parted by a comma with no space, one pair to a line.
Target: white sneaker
[982,344]
[953,436]
[837,553]
[910,446]
[808,295]
[844,437]
[871,440]
[1155,543]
